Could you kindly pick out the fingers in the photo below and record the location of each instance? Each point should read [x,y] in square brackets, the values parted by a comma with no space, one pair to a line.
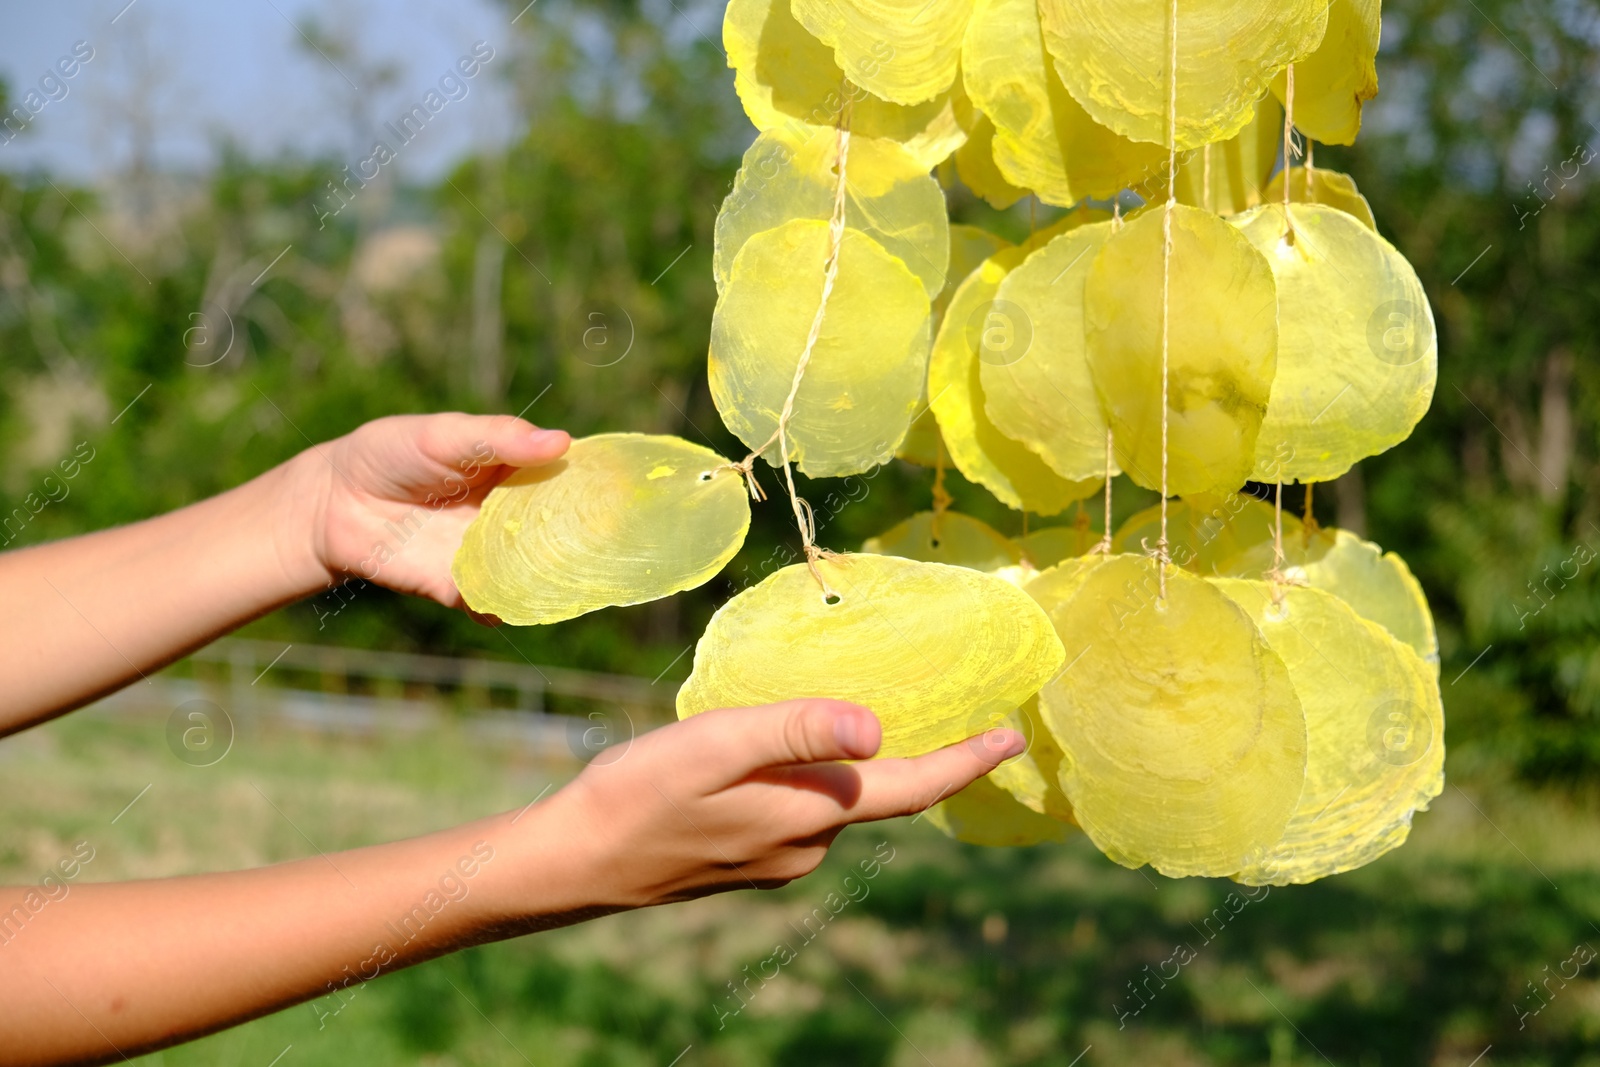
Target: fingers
[733,743]
[488,441]
[894,787]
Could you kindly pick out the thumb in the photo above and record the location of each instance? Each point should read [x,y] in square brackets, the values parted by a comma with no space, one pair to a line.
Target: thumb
[491,441]
[735,742]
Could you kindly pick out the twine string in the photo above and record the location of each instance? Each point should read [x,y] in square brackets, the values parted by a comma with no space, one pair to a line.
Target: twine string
[1163,556]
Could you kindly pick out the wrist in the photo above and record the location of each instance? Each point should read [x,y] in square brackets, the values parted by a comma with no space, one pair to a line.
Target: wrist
[300,489]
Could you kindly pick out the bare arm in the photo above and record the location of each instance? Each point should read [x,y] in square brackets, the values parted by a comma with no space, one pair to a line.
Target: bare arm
[727,800]
[389,502]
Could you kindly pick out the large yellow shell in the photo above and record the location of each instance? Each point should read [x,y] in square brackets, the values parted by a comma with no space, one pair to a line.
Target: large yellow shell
[1043,140]
[933,650]
[1230,176]
[784,75]
[985,814]
[1357,351]
[976,166]
[1332,83]
[906,51]
[866,372]
[1207,533]
[620,519]
[953,538]
[1375,725]
[791,173]
[1040,391]
[1114,57]
[1016,476]
[1376,584]
[969,247]
[1184,741]
[1319,186]
[1222,351]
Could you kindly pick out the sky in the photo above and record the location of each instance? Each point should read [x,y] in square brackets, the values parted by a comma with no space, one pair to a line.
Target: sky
[202,70]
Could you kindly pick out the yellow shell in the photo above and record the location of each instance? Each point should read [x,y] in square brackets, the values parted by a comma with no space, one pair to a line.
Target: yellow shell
[1033,777]
[860,389]
[1376,584]
[957,539]
[1043,140]
[1184,741]
[906,51]
[1114,58]
[1323,187]
[1207,533]
[935,651]
[786,76]
[1039,391]
[985,814]
[1375,725]
[1357,351]
[1332,83]
[1222,351]
[620,519]
[1017,477]
[976,166]
[791,172]
[1045,548]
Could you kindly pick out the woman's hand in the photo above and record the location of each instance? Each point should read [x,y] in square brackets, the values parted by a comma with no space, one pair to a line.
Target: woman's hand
[389,502]
[740,798]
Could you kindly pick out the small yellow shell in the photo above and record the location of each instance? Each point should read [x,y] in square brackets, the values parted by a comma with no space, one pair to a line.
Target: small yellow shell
[1321,186]
[1184,741]
[1332,83]
[1114,57]
[957,539]
[985,814]
[1376,730]
[1222,349]
[906,51]
[934,651]
[860,388]
[620,519]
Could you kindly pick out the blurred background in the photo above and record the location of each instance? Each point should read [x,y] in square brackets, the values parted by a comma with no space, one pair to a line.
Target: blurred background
[196,283]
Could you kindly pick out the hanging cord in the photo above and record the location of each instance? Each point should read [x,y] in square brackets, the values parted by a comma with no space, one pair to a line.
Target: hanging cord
[1308,524]
[1311,170]
[941,496]
[1288,152]
[1104,547]
[1163,556]
[804,517]
[1206,181]
[1276,576]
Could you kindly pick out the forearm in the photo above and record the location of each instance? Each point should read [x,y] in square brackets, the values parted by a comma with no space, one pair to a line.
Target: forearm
[111,970]
[88,615]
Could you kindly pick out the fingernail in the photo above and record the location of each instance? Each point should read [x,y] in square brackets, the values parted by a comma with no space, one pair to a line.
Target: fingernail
[544,438]
[1005,743]
[847,731]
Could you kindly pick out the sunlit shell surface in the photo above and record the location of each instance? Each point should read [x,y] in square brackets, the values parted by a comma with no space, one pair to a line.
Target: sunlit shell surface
[1043,141]
[985,814]
[935,651]
[969,247]
[791,172]
[1185,742]
[1375,725]
[1230,176]
[1321,186]
[784,75]
[1222,351]
[1376,584]
[953,538]
[1332,83]
[1114,57]
[976,166]
[1039,390]
[620,519]
[906,51]
[1206,533]
[975,327]
[1357,351]
[860,390]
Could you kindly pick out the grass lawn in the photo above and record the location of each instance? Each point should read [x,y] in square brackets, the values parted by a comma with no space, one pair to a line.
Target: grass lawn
[952,955]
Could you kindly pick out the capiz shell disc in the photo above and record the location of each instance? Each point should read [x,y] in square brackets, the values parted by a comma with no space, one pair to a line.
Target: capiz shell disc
[622,518]
[934,651]
[1184,741]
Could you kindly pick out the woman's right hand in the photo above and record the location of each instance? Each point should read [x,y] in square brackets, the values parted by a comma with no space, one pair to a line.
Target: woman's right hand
[740,798]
